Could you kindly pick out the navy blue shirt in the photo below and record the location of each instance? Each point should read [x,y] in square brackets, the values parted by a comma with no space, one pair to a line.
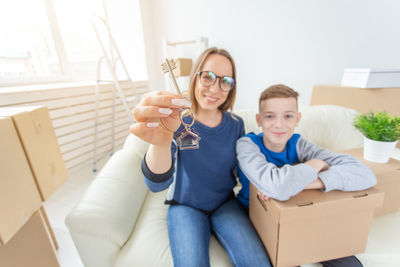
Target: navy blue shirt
[202,178]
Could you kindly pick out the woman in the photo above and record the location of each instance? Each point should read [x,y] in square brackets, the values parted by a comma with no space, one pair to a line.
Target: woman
[200,179]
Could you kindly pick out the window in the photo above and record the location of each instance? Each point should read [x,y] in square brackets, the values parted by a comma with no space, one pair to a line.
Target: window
[54,40]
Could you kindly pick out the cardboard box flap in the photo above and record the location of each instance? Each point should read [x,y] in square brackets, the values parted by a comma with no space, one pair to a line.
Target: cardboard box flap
[314,204]
[19,197]
[40,144]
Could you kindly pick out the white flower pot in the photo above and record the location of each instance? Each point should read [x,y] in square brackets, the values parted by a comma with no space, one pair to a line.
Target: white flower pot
[377,151]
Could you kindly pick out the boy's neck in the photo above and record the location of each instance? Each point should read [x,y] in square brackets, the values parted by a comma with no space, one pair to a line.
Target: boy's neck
[272,147]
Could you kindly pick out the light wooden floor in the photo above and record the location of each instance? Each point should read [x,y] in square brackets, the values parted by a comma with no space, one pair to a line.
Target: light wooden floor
[61,203]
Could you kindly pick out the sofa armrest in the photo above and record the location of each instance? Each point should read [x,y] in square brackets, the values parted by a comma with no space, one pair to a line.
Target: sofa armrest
[106,215]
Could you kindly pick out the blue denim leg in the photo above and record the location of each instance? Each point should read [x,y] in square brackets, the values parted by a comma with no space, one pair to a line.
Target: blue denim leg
[232,226]
[189,236]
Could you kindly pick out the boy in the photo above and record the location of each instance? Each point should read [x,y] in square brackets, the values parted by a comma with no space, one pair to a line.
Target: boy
[281,164]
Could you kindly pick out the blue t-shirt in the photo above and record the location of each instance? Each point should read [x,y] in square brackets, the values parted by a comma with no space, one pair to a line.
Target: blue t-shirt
[288,156]
[203,178]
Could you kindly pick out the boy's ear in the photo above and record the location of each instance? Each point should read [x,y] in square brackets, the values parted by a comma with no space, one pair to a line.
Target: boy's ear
[298,118]
[258,119]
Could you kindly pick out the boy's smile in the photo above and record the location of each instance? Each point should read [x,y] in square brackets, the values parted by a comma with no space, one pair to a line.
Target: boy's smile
[278,118]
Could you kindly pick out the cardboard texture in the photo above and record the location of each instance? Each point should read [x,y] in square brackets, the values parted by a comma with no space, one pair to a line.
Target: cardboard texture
[48,227]
[360,99]
[19,197]
[31,246]
[41,148]
[183,67]
[314,226]
[388,176]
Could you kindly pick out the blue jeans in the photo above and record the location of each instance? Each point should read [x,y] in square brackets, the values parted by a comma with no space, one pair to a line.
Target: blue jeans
[190,229]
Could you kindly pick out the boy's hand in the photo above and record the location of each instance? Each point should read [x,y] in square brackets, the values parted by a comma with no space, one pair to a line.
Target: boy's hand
[318,165]
[262,196]
[317,184]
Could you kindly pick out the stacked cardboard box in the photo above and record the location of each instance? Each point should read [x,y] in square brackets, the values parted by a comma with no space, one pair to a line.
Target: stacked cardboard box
[314,226]
[388,175]
[183,67]
[30,246]
[32,169]
[36,134]
[19,197]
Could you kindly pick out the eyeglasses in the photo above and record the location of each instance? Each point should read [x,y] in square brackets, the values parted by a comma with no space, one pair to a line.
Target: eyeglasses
[208,78]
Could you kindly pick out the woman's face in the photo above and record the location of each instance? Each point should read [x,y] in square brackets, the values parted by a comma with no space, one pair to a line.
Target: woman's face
[211,97]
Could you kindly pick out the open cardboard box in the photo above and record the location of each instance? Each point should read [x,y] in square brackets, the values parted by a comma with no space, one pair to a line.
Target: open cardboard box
[40,145]
[388,176]
[314,226]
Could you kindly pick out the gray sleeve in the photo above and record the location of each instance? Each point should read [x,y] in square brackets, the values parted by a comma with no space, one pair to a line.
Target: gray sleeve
[345,173]
[278,183]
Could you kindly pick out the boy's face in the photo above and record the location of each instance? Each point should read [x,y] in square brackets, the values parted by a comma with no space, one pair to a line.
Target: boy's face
[278,118]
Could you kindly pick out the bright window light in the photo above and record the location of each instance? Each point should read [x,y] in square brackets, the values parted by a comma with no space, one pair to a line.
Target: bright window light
[27,46]
[54,40]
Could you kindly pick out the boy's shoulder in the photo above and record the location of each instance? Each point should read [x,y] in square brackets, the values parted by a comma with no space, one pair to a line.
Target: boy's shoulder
[253,136]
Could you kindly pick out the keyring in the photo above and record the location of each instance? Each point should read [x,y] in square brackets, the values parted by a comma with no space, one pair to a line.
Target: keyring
[191,115]
[187,126]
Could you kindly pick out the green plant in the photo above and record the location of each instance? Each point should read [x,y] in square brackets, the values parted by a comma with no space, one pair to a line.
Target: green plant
[378,126]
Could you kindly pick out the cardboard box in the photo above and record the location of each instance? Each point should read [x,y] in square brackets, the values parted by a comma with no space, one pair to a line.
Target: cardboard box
[388,175]
[314,226]
[362,100]
[19,197]
[183,66]
[371,78]
[31,246]
[41,148]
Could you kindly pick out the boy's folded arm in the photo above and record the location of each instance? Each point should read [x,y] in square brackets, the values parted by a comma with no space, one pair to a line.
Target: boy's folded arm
[278,183]
[345,173]
[351,176]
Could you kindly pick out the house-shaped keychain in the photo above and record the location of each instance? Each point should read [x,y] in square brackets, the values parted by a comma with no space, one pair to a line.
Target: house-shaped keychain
[188,139]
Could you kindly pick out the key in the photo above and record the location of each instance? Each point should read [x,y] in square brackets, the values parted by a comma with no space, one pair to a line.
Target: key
[187,138]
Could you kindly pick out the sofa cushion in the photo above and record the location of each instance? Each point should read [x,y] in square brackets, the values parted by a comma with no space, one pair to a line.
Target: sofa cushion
[335,129]
[136,144]
[149,244]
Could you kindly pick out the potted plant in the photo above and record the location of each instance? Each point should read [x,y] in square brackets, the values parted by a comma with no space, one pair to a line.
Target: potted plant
[381,132]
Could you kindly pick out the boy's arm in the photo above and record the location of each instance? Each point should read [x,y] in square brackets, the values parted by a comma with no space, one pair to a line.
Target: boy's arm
[345,172]
[278,183]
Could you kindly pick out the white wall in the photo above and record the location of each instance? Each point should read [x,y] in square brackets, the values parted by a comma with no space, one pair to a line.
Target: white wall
[298,43]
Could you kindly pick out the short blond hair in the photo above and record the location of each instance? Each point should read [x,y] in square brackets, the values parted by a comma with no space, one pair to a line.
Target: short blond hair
[279,91]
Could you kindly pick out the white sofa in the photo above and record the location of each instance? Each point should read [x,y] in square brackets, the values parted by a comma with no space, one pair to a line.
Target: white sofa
[120,223]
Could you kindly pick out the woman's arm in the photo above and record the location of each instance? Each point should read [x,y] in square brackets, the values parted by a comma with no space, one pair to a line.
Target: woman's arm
[157,118]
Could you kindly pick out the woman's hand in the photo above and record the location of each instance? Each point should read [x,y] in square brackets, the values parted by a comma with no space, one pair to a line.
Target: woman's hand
[157,117]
